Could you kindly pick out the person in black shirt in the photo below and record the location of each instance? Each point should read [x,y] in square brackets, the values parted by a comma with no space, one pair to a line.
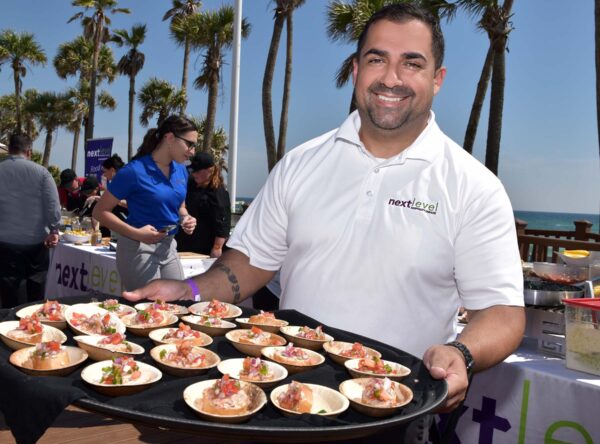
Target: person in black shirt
[208,201]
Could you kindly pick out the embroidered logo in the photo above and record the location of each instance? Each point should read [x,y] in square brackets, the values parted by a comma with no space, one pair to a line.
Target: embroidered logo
[415,204]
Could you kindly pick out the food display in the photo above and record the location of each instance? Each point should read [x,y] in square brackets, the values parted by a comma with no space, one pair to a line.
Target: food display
[341,351]
[255,369]
[163,306]
[102,347]
[185,354]
[185,332]
[28,331]
[375,366]
[49,355]
[114,306]
[253,340]
[120,376]
[215,308]
[210,325]
[226,397]
[252,369]
[298,397]
[294,359]
[265,320]
[376,396]
[144,321]
[51,311]
[311,338]
[122,371]
[95,324]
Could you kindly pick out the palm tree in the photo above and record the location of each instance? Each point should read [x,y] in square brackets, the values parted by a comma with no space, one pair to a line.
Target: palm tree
[51,111]
[219,144]
[159,97]
[8,116]
[79,110]
[95,29]
[495,21]
[131,64]
[213,32]
[347,20]
[180,33]
[20,48]
[283,13]
[76,57]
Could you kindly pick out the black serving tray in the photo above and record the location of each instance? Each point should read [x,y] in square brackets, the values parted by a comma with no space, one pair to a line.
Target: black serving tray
[162,405]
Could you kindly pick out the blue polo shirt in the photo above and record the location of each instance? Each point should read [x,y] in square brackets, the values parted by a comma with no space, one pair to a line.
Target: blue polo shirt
[152,199]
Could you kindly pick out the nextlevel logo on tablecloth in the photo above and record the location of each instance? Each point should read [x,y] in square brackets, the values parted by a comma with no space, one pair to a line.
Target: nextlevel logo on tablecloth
[76,278]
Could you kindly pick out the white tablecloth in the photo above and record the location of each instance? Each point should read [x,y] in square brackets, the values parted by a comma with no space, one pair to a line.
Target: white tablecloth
[531,398]
[79,269]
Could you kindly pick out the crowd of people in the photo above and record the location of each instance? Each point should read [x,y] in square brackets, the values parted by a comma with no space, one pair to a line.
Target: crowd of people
[383,226]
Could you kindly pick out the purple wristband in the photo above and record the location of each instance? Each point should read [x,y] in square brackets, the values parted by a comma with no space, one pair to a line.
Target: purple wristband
[195,290]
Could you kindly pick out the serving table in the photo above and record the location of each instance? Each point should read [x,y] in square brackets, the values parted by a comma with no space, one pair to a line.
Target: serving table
[31,404]
[77,269]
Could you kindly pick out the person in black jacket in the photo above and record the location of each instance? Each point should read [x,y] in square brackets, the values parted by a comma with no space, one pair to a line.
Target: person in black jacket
[208,201]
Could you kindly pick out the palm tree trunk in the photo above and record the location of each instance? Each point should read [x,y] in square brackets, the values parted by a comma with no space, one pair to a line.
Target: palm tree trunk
[480,93]
[211,108]
[47,148]
[17,81]
[75,147]
[267,86]
[184,77]
[597,41]
[130,126]
[287,82]
[89,128]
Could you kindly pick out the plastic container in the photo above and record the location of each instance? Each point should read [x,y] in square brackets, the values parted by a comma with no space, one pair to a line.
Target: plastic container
[561,273]
[582,325]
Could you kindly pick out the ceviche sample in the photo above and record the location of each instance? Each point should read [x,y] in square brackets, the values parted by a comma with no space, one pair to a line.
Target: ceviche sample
[185,355]
[49,355]
[161,305]
[216,309]
[376,396]
[226,396]
[29,330]
[374,364]
[380,393]
[311,338]
[51,311]
[124,370]
[114,306]
[266,318]
[96,324]
[255,369]
[115,342]
[298,397]
[294,359]
[315,334]
[259,337]
[185,332]
[356,351]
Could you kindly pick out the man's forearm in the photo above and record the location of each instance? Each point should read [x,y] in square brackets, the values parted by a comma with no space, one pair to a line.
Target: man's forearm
[493,334]
[232,279]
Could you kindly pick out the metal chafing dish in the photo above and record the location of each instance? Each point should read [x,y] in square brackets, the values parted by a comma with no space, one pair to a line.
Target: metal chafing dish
[549,294]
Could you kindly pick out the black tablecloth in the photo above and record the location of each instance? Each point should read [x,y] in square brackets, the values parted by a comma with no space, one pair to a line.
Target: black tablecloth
[31,404]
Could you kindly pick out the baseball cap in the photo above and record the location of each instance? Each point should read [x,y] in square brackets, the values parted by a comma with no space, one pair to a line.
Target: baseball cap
[67,176]
[90,184]
[201,161]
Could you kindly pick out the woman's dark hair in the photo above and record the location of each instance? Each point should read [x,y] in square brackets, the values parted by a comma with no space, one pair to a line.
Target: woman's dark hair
[404,12]
[172,124]
[113,161]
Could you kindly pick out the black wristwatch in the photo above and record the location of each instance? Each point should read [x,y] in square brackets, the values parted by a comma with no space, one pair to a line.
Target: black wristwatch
[469,362]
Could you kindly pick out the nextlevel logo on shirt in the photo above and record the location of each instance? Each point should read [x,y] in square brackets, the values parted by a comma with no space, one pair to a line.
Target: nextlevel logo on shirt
[415,204]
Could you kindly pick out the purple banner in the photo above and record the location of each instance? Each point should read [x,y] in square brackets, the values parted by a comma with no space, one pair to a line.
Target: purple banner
[96,152]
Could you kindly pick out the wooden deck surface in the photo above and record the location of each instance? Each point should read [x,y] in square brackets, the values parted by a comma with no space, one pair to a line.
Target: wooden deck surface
[75,425]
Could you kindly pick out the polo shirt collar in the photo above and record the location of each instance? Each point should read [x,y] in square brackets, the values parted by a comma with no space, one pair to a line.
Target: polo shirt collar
[153,167]
[425,147]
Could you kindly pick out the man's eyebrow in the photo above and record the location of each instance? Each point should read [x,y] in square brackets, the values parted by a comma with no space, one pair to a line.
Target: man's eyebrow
[375,51]
[406,55]
[414,55]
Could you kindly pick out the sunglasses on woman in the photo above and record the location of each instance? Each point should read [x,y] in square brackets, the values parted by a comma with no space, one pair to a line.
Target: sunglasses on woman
[188,143]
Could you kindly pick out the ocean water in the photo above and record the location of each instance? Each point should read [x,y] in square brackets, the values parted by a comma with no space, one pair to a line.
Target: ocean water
[556,221]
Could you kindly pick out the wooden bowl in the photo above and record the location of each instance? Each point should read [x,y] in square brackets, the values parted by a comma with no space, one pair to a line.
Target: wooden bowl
[398,371]
[272,328]
[211,361]
[335,348]
[31,309]
[290,332]
[293,367]
[326,401]
[353,388]
[89,310]
[177,310]
[194,393]
[200,308]
[157,336]
[102,352]
[233,367]
[145,329]
[21,360]
[199,323]
[93,373]
[48,334]
[252,349]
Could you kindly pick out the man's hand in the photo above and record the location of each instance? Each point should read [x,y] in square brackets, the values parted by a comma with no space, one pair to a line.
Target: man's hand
[444,362]
[188,223]
[163,289]
[51,240]
[149,235]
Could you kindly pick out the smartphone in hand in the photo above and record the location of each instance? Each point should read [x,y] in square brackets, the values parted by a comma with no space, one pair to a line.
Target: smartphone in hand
[167,228]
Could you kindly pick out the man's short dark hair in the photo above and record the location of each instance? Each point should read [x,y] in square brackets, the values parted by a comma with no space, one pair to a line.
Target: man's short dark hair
[402,13]
[19,143]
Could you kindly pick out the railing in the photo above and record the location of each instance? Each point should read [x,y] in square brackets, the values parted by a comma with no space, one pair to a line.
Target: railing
[541,245]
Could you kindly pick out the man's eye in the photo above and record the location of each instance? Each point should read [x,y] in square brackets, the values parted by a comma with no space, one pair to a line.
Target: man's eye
[413,65]
[375,61]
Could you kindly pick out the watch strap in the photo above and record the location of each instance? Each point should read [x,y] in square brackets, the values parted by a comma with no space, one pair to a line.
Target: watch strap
[469,361]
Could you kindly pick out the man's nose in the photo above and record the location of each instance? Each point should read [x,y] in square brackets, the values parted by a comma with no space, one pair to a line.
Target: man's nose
[392,76]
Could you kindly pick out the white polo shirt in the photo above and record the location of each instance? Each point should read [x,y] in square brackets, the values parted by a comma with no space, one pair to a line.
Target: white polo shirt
[387,248]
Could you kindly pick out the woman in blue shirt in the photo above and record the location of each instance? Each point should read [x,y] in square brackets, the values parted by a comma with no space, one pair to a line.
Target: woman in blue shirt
[154,186]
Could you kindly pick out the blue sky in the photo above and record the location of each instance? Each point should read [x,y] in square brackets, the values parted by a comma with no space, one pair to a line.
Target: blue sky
[549,157]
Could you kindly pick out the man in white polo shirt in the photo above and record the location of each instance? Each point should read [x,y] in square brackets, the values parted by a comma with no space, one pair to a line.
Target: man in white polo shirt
[384,226]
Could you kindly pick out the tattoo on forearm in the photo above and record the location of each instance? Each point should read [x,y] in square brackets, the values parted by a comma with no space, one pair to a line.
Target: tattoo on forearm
[235,286]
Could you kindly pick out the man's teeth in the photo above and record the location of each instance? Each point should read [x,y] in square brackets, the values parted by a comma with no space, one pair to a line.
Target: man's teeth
[390,99]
